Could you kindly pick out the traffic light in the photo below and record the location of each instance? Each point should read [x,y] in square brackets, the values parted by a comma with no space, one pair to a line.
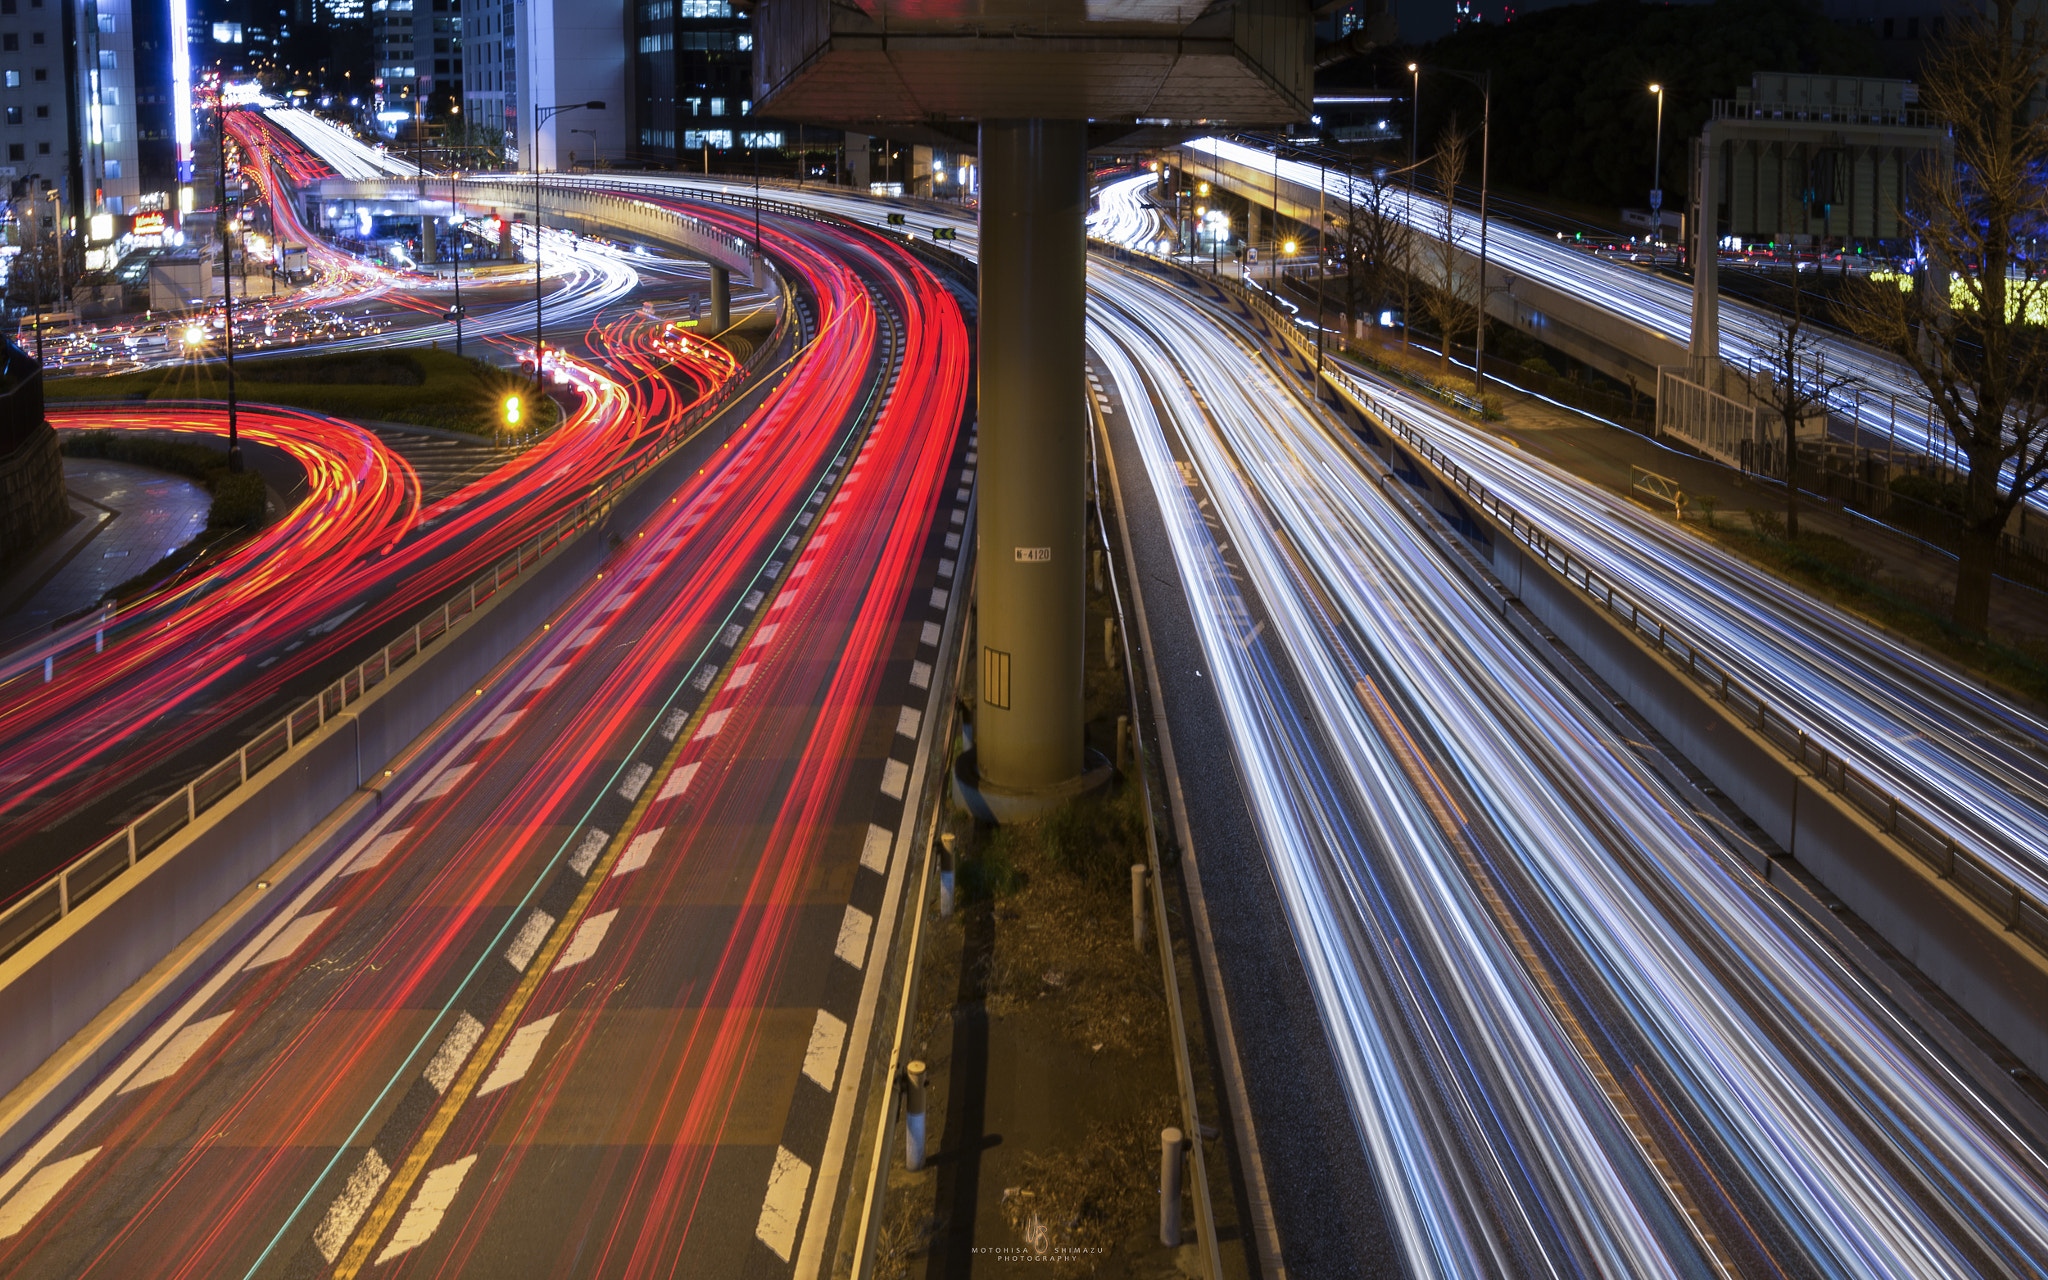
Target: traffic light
[512,412]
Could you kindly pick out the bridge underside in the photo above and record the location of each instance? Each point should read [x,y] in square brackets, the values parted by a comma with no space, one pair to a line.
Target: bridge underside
[1038,81]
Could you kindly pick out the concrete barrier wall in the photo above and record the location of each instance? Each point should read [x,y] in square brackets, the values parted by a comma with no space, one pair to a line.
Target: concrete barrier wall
[95,966]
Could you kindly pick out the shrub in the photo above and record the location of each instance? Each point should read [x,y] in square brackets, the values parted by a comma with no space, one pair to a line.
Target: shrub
[239,500]
[1538,365]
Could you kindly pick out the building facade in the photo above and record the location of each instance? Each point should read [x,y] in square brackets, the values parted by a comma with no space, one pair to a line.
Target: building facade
[490,49]
[91,93]
[693,66]
[571,51]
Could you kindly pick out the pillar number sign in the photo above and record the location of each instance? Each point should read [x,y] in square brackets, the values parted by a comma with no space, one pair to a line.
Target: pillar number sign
[1034,555]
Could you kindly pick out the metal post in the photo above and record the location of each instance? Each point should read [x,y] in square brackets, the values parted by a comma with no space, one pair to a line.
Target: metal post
[1032,585]
[913,1117]
[1170,1161]
[948,860]
[227,286]
[1408,214]
[1485,153]
[1140,921]
[1123,741]
[455,206]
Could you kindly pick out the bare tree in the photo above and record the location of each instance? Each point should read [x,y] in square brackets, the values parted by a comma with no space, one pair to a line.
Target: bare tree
[1374,238]
[1450,295]
[1793,381]
[1978,346]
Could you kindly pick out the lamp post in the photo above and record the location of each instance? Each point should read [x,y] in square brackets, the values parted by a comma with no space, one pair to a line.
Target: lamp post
[541,115]
[455,207]
[227,282]
[1407,245]
[1484,81]
[1657,168]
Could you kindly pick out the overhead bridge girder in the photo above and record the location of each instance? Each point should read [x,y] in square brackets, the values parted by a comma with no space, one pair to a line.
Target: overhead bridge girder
[595,205]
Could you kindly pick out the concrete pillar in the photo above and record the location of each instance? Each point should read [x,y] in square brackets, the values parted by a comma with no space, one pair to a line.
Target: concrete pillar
[1706,286]
[857,161]
[429,250]
[721,300]
[1033,450]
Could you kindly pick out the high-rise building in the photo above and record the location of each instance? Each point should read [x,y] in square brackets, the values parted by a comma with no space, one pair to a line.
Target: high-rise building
[570,51]
[693,83]
[96,96]
[417,45]
[490,50]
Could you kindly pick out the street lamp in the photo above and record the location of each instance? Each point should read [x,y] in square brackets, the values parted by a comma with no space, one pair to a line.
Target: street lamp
[227,279]
[1484,81]
[1657,167]
[1408,250]
[541,115]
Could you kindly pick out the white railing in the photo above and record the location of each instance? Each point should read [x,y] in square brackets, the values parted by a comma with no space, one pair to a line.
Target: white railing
[1725,430]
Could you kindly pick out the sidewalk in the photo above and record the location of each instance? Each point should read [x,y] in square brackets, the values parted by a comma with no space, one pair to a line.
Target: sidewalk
[128,518]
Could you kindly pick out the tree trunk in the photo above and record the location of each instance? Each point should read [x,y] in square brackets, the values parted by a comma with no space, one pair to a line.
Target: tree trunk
[1974,575]
[1791,480]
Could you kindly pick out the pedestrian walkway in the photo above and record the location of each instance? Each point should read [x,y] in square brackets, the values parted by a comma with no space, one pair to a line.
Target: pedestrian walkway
[128,518]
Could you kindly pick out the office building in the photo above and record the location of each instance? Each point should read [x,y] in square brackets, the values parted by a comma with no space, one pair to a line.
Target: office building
[571,51]
[693,66]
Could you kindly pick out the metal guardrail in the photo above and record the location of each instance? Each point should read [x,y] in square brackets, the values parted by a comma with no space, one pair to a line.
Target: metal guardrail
[49,902]
[2020,911]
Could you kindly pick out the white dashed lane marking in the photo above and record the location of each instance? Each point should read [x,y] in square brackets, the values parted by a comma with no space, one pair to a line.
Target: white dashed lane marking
[501,724]
[821,1059]
[636,778]
[454,1051]
[741,674]
[437,1192]
[874,851]
[379,849]
[350,1206]
[520,1051]
[44,1184]
[921,675]
[289,939]
[189,1040]
[445,782]
[712,724]
[895,776]
[588,938]
[907,721]
[789,1182]
[852,946]
[637,852]
[678,781]
[586,853]
[528,940]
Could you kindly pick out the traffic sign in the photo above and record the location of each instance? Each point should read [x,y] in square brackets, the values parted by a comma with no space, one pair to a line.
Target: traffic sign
[898,219]
[1656,198]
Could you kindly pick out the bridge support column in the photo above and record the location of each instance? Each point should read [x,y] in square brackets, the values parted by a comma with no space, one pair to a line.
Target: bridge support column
[430,252]
[721,301]
[1033,451]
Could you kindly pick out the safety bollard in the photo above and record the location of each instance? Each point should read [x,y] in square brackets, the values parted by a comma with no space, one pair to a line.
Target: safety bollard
[1140,933]
[1098,570]
[913,1119]
[1123,742]
[1170,1151]
[1109,642]
[946,864]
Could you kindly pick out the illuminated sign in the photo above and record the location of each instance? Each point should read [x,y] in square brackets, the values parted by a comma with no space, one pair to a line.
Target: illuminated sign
[151,224]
